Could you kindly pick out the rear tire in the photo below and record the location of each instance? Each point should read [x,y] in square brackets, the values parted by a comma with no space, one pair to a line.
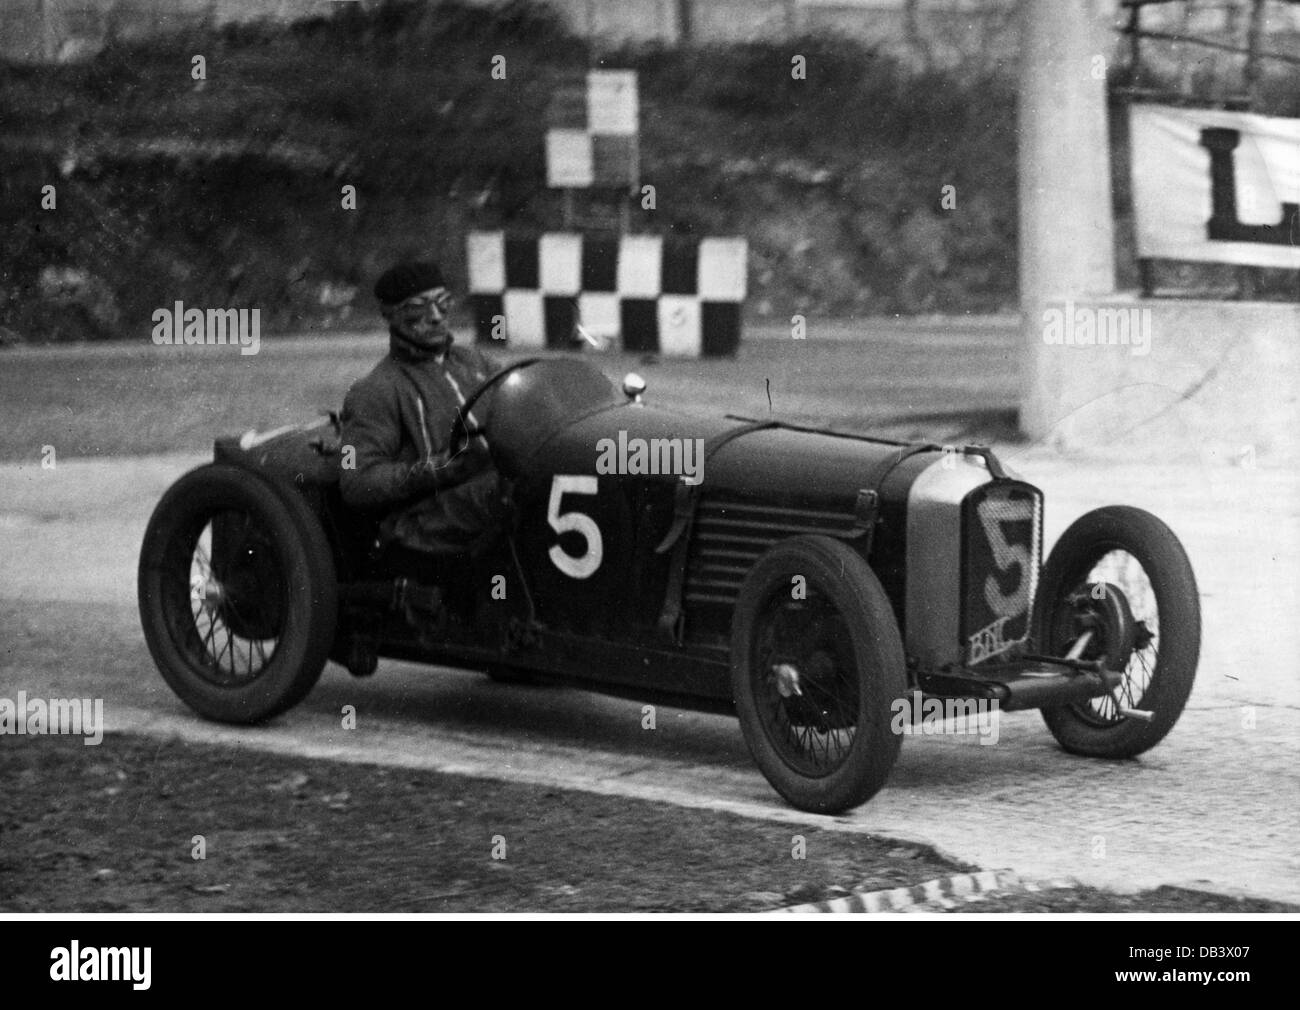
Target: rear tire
[820,734]
[230,563]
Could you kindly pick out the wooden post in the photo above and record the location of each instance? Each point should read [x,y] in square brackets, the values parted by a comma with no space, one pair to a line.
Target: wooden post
[1248,277]
[685,29]
[48,49]
[1135,45]
[1250,72]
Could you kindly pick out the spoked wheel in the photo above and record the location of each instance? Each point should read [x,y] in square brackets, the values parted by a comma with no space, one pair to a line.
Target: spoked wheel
[236,601]
[1118,587]
[816,663]
[237,594]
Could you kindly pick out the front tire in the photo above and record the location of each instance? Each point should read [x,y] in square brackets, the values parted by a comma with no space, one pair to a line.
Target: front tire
[1152,635]
[238,595]
[816,664]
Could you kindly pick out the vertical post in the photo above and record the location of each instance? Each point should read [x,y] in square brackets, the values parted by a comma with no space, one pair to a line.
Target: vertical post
[685,29]
[48,51]
[1250,72]
[1248,277]
[1066,226]
[916,34]
[1135,45]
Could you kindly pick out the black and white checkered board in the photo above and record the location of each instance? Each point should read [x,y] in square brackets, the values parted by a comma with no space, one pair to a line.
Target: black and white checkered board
[592,140]
[671,295]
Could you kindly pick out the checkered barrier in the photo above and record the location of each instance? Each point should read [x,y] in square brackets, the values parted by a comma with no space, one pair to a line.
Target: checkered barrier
[593,135]
[668,295]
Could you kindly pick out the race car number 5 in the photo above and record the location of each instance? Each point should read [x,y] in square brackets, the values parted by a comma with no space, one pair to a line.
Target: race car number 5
[1006,554]
[584,565]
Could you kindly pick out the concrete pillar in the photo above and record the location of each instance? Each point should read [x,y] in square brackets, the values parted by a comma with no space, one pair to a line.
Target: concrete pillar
[1066,230]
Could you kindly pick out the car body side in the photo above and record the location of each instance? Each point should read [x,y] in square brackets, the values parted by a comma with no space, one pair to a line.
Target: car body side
[900,506]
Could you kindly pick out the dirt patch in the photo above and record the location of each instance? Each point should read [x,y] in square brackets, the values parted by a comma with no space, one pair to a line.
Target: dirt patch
[115,828]
[112,829]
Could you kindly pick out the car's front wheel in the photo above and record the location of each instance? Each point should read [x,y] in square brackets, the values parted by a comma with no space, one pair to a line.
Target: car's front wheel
[238,595]
[816,664]
[1118,587]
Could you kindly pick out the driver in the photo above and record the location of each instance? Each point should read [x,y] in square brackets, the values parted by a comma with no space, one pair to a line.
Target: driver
[398,420]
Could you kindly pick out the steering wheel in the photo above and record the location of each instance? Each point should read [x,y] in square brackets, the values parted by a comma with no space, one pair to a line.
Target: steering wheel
[461,432]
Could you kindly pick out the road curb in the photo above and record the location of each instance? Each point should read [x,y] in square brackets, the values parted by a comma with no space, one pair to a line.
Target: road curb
[964,886]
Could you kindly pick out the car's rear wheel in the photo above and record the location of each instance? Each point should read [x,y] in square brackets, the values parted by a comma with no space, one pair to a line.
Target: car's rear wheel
[1118,587]
[238,595]
[816,664]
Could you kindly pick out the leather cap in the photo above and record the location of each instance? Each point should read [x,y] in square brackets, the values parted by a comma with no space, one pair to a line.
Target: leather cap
[400,282]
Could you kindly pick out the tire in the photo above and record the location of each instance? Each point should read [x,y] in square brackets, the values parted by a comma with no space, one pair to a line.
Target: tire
[269,576]
[843,641]
[1158,672]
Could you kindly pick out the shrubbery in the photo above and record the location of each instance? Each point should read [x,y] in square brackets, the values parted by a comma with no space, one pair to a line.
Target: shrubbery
[836,180]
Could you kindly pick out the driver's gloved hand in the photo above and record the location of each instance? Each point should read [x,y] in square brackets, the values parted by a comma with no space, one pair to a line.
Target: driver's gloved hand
[437,474]
[474,458]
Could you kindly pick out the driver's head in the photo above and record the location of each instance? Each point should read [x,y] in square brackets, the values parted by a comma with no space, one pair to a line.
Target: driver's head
[415,301]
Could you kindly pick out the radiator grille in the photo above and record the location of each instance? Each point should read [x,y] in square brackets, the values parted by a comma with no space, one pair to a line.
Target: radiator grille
[1002,543]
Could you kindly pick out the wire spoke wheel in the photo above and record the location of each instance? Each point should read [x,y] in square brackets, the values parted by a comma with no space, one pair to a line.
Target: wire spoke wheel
[237,606]
[238,597]
[1138,659]
[807,682]
[814,672]
[1118,588]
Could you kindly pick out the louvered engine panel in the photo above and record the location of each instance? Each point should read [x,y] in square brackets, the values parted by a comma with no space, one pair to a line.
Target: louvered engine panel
[729,536]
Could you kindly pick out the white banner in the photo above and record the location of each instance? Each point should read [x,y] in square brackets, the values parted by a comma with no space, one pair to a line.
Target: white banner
[1213,186]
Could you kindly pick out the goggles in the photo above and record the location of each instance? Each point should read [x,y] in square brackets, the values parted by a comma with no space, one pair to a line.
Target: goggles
[419,306]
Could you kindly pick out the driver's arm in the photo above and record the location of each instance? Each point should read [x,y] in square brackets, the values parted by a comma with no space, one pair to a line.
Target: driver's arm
[372,428]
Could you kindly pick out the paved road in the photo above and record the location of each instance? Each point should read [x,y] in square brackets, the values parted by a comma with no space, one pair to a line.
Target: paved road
[1214,806]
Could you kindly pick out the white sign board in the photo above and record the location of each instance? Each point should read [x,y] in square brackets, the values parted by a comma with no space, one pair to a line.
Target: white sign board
[1214,186]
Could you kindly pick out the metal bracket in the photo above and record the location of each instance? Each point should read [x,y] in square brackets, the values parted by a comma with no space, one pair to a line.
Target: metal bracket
[866,512]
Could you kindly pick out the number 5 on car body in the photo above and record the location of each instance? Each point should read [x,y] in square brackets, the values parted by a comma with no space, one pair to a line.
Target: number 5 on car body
[584,565]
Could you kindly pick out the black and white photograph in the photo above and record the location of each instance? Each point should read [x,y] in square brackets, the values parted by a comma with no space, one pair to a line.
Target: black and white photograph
[661,459]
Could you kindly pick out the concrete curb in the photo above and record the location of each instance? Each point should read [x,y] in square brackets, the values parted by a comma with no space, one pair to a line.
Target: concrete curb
[963,886]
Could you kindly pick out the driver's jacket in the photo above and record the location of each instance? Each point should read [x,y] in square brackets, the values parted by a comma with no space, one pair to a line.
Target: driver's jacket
[400,414]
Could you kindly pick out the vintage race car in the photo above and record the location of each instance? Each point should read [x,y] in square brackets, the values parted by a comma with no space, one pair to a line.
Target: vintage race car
[804,579]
